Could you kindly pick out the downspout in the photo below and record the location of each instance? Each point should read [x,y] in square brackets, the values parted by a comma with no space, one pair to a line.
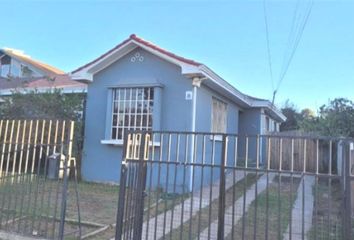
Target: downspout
[196,81]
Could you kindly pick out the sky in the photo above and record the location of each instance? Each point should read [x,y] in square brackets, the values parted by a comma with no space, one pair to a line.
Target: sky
[227,36]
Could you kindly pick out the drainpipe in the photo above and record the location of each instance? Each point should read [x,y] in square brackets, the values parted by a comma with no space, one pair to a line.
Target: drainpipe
[196,81]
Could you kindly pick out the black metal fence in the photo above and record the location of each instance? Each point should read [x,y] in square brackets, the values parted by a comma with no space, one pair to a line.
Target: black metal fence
[35,163]
[180,185]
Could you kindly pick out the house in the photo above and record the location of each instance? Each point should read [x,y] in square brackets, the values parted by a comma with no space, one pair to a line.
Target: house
[21,73]
[138,85]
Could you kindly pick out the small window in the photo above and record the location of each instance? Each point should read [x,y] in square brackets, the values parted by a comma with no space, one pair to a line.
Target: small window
[219,116]
[275,127]
[132,109]
[5,66]
[267,124]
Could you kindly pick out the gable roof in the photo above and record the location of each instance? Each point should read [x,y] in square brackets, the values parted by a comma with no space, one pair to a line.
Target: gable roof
[188,67]
[43,67]
[41,84]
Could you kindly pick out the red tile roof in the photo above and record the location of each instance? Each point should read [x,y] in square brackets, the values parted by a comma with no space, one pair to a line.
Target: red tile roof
[58,81]
[145,43]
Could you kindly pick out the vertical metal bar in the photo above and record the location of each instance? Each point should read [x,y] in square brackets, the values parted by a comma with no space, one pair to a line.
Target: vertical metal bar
[211,181]
[303,192]
[221,215]
[21,176]
[184,183]
[13,183]
[25,192]
[34,212]
[291,189]
[256,189]
[28,209]
[175,182]
[65,181]
[234,189]
[267,189]
[167,180]
[122,191]
[9,194]
[193,157]
[61,139]
[330,189]
[201,188]
[158,183]
[279,187]
[348,178]
[141,178]
[316,190]
[48,133]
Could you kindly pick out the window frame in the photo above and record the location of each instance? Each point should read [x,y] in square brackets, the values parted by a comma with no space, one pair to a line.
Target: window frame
[219,101]
[130,96]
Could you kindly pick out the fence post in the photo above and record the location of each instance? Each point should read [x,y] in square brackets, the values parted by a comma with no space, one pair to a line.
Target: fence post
[139,210]
[348,210]
[122,188]
[221,216]
[65,181]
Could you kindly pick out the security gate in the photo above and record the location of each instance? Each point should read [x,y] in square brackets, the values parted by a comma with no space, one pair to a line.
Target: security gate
[184,185]
[133,180]
[35,163]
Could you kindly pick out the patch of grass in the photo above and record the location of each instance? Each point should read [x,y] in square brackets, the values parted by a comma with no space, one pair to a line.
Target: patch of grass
[273,206]
[208,214]
[327,215]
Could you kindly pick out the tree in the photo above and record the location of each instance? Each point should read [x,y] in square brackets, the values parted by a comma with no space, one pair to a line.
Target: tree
[292,117]
[334,119]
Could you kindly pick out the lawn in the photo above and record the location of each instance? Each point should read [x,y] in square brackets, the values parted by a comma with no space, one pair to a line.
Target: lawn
[327,216]
[206,215]
[268,215]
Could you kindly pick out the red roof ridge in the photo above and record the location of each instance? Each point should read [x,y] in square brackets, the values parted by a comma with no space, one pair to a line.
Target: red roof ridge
[147,44]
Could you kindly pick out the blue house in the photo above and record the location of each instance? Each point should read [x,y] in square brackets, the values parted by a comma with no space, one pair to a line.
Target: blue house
[138,85]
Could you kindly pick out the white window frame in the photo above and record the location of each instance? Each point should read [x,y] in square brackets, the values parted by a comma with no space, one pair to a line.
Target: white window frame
[128,119]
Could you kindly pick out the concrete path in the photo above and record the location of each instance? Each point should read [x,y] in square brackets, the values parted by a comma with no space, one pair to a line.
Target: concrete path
[296,222]
[238,206]
[166,218]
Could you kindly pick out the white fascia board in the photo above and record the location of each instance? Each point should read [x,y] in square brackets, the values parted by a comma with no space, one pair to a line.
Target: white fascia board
[266,104]
[216,79]
[82,75]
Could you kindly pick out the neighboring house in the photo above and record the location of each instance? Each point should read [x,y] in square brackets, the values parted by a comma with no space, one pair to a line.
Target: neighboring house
[21,73]
[138,85]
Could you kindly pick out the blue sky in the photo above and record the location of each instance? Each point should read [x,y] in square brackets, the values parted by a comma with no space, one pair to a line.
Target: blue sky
[228,36]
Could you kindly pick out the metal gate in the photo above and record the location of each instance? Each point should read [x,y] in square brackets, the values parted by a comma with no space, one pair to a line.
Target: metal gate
[184,185]
[35,163]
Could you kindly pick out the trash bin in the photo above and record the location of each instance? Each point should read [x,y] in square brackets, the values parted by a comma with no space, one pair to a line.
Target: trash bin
[56,166]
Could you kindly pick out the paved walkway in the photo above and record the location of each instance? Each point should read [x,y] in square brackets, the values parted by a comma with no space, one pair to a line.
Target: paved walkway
[238,205]
[165,219]
[297,219]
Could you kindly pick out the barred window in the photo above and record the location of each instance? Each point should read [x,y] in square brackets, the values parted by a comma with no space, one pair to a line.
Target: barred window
[219,116]
[132,110]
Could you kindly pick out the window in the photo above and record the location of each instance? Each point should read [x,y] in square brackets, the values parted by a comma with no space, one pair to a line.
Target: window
[219,116]
[5,66]
[132,110]
[275,127]
[267,124]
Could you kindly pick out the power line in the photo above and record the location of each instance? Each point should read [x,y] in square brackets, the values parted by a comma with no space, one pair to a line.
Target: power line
[268,45]
[299,22]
